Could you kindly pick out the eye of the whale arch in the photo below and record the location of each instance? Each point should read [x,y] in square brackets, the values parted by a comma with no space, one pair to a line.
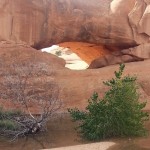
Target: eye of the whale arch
[78,55]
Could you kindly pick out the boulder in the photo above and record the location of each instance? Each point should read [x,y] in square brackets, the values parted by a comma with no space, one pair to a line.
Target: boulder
[11,53]
[114,58]
[142,51]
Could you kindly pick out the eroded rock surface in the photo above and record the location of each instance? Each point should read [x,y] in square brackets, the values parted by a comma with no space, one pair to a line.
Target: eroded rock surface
[82,84]
[128,55]
[117,24]
[75,86]
[73,61]
[11,53]
[40,23]
[86,51]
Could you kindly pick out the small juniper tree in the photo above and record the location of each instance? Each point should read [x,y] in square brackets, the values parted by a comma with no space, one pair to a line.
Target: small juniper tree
[118,114]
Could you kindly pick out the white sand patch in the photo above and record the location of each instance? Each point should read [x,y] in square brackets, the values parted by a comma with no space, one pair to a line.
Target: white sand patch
[49,49]
[73,61]
[93,146]
[76,65]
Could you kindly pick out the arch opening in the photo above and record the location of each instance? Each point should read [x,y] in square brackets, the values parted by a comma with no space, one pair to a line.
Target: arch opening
[78,55]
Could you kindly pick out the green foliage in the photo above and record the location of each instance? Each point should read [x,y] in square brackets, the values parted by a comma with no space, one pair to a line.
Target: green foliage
[118,114]
[7,124]
[9,113]
[5,119]
[58,53]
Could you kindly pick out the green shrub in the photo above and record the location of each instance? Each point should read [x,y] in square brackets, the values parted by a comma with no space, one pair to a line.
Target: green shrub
[9,113]
[7,124]
[118,114]
[5,119]
[58,53]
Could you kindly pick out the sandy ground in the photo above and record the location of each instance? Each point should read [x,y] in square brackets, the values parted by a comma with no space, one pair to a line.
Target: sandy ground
[94,146]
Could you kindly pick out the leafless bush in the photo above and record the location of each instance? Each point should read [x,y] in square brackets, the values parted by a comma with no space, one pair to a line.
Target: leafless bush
[25,85]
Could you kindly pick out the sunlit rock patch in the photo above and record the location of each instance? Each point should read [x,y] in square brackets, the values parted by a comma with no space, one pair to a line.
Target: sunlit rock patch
[73,61]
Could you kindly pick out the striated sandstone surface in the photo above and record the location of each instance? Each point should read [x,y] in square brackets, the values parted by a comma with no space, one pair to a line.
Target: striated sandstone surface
[117,24]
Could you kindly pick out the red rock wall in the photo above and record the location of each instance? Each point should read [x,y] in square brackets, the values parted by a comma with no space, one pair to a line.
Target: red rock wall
[41,23]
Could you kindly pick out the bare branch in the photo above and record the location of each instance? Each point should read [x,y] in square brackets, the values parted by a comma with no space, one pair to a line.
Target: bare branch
[25,84]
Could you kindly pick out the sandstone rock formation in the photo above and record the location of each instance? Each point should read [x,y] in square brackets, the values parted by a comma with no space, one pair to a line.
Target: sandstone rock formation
[75,86]
[11,53]
[73,61]
[117,24]
[86,51]
[75,91]
[139,21]
[114,58]
[142,51]
[41,23]
[25,60]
